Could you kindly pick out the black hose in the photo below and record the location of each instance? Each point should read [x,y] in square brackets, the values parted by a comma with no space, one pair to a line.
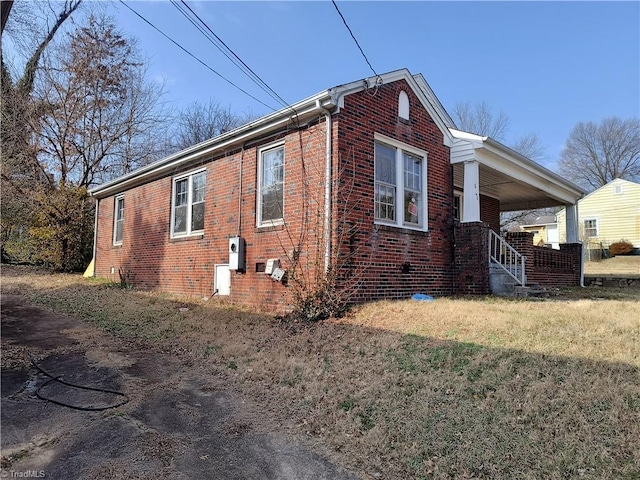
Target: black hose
[73,385]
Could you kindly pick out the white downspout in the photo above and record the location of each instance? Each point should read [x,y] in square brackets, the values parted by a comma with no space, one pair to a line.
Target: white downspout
[582,249]
[327,189]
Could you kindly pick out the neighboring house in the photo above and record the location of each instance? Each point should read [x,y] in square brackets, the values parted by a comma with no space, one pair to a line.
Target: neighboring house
[545,231]
[608,214]
[369,182]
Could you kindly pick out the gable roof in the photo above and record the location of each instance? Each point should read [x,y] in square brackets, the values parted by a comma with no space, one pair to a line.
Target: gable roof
[282,120]
[542,221]
[614,182]
[419,86]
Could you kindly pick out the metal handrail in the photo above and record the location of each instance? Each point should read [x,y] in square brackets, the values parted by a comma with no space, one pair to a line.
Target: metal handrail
[503,254]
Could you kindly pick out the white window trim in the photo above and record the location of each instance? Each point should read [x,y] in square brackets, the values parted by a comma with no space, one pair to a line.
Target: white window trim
[116,200]
[190,176]
[584,228]
[259,221]
[459,194]
[403,147]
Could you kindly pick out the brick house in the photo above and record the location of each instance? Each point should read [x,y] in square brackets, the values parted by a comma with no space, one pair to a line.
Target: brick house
[369,180]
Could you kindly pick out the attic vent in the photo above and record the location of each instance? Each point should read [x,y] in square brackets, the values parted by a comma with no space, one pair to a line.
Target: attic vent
[617,189]
[403,105]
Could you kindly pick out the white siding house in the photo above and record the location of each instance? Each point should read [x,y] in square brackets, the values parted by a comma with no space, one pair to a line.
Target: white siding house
[607,215]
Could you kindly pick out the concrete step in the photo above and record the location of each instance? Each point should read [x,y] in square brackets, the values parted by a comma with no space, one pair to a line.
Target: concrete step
[531,290]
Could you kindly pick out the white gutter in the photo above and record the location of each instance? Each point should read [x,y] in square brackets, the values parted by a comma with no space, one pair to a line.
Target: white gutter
[331,99]
[169,164]
[327,188]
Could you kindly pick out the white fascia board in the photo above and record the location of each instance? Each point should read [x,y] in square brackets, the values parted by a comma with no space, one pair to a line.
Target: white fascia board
[537,178]
[243,133]
[476,140]
[534,168]
[499,157]
[437,104]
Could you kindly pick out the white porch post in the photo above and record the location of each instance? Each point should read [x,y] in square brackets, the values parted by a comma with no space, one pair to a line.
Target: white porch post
[471,197]
[572,223]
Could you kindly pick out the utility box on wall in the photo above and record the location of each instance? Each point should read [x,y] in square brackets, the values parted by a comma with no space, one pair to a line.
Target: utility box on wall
[271,265]
[236,253]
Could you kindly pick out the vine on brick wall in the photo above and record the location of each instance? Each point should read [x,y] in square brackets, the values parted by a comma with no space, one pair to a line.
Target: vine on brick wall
[318,292]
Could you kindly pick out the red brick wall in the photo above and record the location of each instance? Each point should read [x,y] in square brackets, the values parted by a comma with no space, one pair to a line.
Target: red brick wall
[553,268]
[385,261]
[545,266]
[490,212]
[186,265]
[472,258]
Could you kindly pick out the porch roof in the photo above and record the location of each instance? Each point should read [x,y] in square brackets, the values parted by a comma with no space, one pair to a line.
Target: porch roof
[516,181]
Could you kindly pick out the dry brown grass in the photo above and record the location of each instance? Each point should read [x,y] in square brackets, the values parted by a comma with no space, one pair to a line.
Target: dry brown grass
[620,265]
[455,388]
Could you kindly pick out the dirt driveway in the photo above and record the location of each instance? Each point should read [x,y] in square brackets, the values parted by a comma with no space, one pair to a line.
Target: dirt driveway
[179,421]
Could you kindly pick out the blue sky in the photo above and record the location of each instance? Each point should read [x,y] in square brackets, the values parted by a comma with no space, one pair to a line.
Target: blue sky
[546,65]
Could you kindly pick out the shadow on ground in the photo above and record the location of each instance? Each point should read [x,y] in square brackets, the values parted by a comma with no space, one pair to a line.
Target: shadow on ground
[177,424]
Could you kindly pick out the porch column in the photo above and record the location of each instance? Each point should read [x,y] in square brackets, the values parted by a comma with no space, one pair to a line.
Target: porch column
[572,223]
[471,197]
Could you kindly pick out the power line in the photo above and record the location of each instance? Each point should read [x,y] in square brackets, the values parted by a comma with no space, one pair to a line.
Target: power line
[227,51]
[194,57]
[354,38]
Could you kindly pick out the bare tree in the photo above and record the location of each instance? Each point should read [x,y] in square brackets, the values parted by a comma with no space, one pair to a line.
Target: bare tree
[100,110]
[6,11]
[92,116]
[17,104]
[597,153]
[20,169]
[531,147]
[511,221]
[199,122]
[479,119]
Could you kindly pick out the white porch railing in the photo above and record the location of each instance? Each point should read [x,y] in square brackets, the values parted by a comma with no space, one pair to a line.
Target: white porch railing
[503,254]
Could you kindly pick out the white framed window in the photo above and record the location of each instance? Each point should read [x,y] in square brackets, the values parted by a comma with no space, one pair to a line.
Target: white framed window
[118,220]
[270,198]
[400,184]
[187,205]
[617,189]
[590,227]
[457,206]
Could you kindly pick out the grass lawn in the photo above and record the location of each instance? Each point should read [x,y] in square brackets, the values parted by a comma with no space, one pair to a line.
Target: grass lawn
[455,388]
[620,265]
